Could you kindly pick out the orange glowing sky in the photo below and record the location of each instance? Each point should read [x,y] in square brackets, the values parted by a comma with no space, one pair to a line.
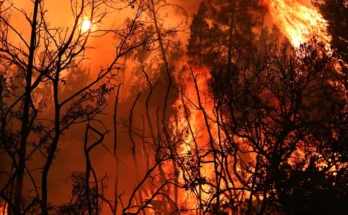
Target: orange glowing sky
[59,15]
[297,19]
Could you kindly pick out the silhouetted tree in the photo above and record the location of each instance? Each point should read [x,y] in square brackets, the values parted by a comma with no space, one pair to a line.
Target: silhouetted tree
[202,48]
[79,200]
[270,135]
[220,29]
[290,119]
[334,11]
[39,85]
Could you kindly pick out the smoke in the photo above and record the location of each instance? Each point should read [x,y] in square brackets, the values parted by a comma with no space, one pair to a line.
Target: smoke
[190,6]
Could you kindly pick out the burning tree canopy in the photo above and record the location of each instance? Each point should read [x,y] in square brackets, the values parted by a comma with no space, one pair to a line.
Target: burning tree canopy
[298,22]
[262,127]
[246,115]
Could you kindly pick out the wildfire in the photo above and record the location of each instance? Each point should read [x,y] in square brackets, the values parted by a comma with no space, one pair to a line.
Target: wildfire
[298,22]
[194,125]
[191,120]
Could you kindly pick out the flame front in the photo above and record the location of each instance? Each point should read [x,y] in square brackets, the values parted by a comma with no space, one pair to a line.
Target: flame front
[200,135]
[191,127]
[298,22]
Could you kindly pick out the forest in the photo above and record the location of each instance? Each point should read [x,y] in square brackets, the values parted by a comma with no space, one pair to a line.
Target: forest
[168,107]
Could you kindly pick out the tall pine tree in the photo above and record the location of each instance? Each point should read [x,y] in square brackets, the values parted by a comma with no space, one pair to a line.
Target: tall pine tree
[335,12]
[220,31]
[203,43]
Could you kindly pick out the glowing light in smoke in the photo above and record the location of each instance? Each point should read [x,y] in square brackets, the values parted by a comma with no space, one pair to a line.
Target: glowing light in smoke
[86,25]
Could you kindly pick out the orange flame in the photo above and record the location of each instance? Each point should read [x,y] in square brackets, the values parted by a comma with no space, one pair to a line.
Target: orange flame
[190,122]
[195,120]
[3,208]
[298,22]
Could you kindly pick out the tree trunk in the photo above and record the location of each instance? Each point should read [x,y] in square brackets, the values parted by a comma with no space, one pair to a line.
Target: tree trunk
[54,144]
[166,64]
[26,112]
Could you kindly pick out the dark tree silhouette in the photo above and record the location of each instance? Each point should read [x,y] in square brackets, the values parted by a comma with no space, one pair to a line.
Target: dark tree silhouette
[294,122]
[335,12]
[218,28]
[37,97]
[79,200]
[202,48]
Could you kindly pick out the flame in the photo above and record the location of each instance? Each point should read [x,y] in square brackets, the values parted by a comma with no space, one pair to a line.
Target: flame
[196,116]
[191,127]
[299,22]
[195,120]
[3,208]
